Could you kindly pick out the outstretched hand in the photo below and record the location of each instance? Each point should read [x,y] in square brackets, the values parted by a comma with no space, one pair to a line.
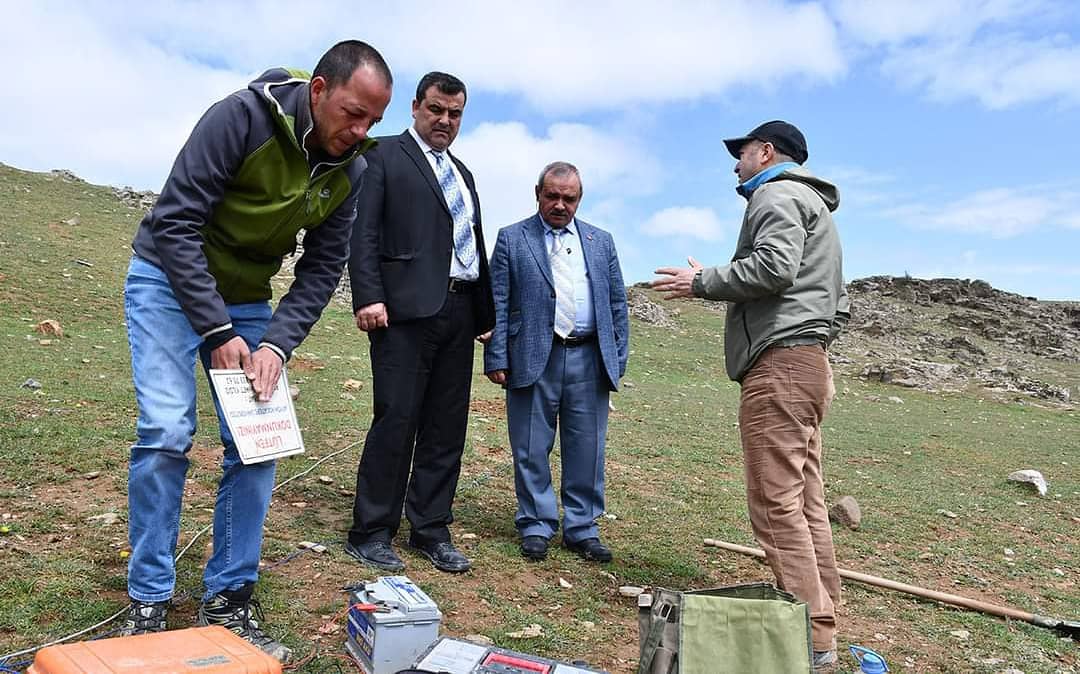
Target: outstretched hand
[677,281]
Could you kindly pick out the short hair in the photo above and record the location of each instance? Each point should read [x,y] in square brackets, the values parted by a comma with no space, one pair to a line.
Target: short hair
[444,82]
[339,63]
[780,156]
[558,168]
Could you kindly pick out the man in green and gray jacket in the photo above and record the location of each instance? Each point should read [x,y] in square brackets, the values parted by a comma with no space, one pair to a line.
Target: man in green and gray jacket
[281,156]
[787,302]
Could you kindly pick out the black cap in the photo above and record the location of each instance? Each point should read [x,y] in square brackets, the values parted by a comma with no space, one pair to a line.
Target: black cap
[785,138]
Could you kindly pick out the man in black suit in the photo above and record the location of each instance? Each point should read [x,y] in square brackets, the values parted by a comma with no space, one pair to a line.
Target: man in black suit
[420,290]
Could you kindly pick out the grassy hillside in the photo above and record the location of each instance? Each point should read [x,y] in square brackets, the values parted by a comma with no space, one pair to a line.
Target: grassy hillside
[674,478]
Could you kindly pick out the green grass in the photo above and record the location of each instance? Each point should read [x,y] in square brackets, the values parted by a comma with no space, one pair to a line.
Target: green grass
[674,478]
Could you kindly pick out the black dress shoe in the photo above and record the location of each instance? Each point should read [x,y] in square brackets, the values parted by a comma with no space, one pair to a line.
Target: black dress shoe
[443,555]
[534,548]
[589,549]
[378,554]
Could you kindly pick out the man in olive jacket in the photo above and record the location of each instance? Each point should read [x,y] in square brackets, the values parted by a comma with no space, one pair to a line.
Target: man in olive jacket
[787,302]
[282,155]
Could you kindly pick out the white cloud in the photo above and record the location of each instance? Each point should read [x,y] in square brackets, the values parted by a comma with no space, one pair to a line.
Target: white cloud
[859,187]
[568,55]
[506,159]
[999,213]
[111,113]
[890,23]
[1002,53]
[999,72]
[111,89]
[685,221]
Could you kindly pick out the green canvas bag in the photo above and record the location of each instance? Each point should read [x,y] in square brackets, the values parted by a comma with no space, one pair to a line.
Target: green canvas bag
[741,629]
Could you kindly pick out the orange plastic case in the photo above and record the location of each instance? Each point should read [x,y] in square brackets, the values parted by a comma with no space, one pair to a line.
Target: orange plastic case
[204,650]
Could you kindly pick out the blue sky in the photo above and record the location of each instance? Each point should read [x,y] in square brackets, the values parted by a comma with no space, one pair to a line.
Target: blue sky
[951,128]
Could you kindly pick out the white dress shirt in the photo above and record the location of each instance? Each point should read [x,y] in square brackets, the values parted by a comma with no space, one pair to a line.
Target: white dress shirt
[472,272]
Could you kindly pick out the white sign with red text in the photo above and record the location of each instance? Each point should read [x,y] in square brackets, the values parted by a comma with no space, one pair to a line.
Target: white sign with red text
[261,431]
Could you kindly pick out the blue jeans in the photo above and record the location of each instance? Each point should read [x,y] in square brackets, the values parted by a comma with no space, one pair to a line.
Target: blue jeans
[163,352]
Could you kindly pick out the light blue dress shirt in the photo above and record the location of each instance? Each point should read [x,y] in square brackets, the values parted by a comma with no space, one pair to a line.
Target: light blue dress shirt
[457,270]
[584,317]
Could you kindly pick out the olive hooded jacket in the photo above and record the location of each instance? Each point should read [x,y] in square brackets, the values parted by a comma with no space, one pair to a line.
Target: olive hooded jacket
[786,278]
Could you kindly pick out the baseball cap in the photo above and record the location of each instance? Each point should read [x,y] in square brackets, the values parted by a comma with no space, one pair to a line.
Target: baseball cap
[785,138]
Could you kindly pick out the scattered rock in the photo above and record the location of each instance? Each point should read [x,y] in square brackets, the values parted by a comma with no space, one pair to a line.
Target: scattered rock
[480,639]
[32,384]
[1032,477]
[948,513]
[630,590]
[326,479]
[294,391]
[647,311]
[105,519]
[847,512]
[314,547]
[469,537]
[564,583]
[50,327]
[92,475]
[72,221]
[962,635]
[66,175]
[133,198]
[896,399]
[352,385]
[531,632]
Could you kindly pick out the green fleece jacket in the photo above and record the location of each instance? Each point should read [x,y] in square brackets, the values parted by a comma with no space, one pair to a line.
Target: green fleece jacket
[241,189]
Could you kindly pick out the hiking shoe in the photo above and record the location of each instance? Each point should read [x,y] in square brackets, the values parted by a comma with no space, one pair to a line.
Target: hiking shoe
[240,613]
[824,660]
[144,617]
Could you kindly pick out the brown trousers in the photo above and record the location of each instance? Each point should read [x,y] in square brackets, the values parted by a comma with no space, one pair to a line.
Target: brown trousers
[785,396]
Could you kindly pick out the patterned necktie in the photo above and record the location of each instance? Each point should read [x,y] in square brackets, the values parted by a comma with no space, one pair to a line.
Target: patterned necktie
[464,245]
[565,311]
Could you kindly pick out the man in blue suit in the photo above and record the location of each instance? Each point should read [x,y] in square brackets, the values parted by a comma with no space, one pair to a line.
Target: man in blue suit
[559,347]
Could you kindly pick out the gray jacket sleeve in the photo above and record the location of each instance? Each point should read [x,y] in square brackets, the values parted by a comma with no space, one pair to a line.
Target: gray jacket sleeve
[317,273]
[773,261]
[843,314]
[207,161]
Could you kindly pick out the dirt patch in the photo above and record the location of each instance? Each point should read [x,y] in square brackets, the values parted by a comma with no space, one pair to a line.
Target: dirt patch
[305,362]
[488,407]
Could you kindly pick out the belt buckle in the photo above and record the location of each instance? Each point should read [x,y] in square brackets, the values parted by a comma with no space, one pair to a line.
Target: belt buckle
[455,285]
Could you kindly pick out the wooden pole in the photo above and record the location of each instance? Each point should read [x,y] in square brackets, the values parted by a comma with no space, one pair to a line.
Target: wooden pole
[954,599]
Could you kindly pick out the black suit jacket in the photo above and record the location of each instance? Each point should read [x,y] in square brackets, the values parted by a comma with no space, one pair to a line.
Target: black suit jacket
[403,236]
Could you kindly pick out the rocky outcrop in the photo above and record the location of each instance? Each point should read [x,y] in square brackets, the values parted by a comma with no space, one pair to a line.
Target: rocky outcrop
[948,334]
